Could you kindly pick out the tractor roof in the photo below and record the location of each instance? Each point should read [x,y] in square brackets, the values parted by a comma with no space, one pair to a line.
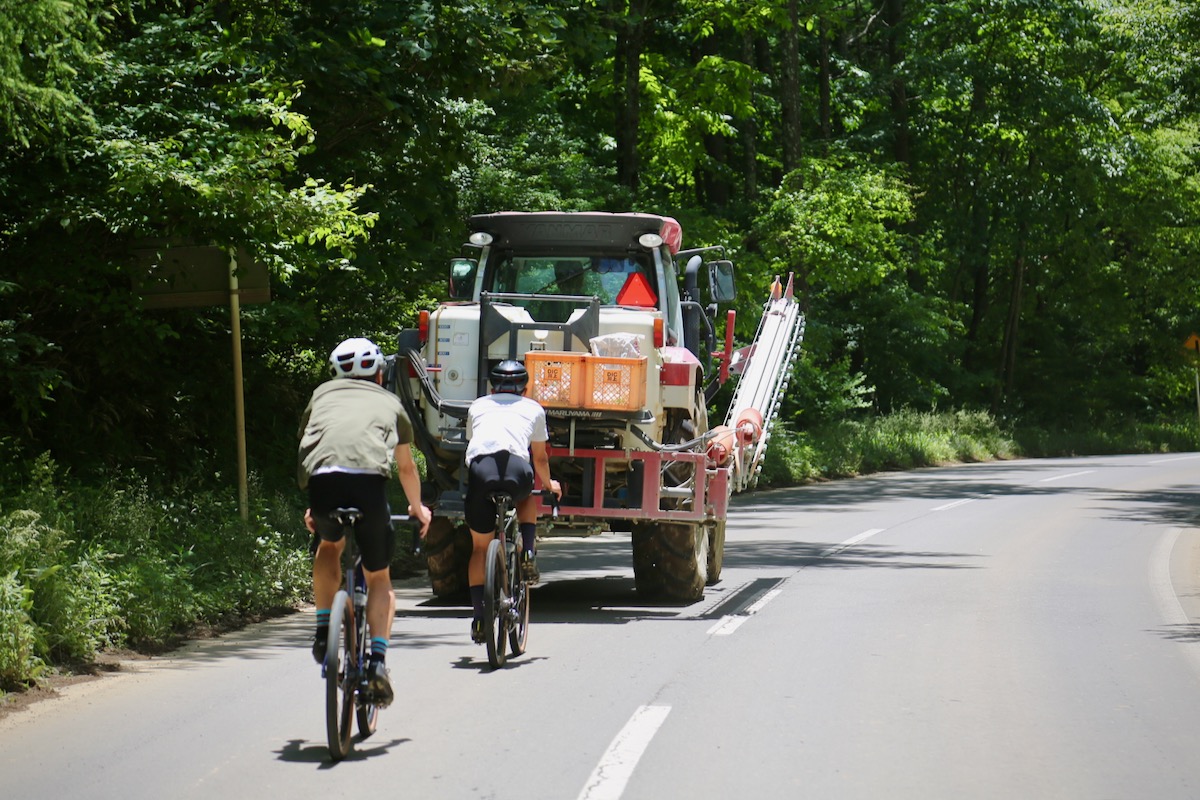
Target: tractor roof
[573,230]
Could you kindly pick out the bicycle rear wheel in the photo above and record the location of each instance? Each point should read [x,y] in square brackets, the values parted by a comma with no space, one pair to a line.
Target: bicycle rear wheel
[495,604]
[339,680]
[518,632]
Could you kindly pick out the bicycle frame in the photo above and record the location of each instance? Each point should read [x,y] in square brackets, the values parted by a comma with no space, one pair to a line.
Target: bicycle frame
[356,578]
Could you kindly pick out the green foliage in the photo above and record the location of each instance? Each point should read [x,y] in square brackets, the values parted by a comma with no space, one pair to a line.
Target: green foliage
[198,140]
[20,663]
[790,459]
[43,44]
[904,440]
[89,567]
[1111,436]
[833,222]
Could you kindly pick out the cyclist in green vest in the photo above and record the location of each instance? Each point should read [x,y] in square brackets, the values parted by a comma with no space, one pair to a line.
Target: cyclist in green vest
[350,433]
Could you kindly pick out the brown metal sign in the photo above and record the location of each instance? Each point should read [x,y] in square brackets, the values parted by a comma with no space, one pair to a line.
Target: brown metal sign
[182,276]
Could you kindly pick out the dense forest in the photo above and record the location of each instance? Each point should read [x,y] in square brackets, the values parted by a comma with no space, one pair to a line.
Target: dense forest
[988,204]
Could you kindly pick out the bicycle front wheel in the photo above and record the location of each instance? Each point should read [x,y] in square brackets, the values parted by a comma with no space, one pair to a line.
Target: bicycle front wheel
[518,632]
[495,604]
[340,659]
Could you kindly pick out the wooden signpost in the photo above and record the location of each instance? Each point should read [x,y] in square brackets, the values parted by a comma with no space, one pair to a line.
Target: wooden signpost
[185,275]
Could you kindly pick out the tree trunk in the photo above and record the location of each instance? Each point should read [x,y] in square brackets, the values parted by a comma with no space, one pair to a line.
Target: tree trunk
[901,148]
[1009,348]
[712,185]
[628,91]
[790,96]
[825,78]
[754,52]
[977,263]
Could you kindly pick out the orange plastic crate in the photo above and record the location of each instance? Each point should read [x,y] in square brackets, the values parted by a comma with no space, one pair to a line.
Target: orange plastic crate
[556,380]
[617,384]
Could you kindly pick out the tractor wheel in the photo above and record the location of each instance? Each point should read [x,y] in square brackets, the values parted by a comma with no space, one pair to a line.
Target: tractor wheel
[716,550]
[646,578]
[670,559]
[683,559]
[447,550]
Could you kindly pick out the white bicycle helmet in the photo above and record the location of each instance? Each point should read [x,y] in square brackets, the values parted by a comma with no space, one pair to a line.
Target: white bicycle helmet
[355,358]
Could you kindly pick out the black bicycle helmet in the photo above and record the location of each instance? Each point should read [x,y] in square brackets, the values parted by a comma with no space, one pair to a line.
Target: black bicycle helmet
[509,376]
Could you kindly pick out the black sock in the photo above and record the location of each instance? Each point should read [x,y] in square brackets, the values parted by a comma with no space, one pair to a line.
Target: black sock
[477,601]
[528,536]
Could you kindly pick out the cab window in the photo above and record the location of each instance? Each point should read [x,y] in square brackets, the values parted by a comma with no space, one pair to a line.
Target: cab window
[583,276]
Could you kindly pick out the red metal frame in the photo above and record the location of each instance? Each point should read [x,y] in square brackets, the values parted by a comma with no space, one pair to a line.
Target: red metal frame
[710,492]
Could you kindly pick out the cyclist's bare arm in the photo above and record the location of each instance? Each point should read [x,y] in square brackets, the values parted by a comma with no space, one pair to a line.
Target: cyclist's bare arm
[541,467]
[410,481]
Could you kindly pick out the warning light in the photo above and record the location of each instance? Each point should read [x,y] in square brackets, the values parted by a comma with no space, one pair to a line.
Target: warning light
[423,327]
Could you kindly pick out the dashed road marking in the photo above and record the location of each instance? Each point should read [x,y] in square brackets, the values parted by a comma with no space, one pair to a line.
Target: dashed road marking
[956,504]
[728,624]
[1068,475]
[853,540]
[608,780]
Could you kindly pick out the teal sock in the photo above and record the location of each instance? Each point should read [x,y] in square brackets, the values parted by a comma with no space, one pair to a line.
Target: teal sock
[379,646]
[323,622]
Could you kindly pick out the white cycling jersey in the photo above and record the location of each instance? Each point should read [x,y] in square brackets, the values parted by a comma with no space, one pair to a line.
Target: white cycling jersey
[504,421]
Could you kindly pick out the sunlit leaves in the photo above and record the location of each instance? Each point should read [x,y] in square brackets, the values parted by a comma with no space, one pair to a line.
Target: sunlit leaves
[200,141]
[835,222]
[43,45]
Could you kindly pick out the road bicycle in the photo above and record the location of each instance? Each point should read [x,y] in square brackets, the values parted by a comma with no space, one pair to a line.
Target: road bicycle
[505,589]
[347,695]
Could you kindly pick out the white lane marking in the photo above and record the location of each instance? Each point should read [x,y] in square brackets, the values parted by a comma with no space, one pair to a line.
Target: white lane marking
[731,622]
[608,780]
[1068,475]
[853,540]
[956,504]
[1170,460]
[726,625]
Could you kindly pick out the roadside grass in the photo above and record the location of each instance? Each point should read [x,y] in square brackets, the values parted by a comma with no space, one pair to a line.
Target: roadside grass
[899,441]
[1110,437]
[911,439]
[89,568]
[86,568]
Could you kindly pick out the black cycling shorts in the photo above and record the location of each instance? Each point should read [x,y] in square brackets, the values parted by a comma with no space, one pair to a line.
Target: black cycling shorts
[495,472]
[368,493]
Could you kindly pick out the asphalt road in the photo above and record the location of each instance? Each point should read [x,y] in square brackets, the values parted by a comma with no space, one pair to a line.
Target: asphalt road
[1018,629]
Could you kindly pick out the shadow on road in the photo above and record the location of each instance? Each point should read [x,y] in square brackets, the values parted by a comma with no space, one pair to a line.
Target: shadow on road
[1176,505]
[302,751]
[1183,632]
[1173,505]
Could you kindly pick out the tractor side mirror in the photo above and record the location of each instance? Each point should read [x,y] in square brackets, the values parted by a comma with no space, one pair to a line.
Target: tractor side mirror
[720,281]
[462,278]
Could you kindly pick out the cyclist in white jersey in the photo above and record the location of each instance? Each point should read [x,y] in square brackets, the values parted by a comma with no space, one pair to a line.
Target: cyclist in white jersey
[506,447]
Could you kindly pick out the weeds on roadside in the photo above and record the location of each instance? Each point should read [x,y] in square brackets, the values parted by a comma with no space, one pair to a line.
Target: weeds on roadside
[904,440]
[88,567]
